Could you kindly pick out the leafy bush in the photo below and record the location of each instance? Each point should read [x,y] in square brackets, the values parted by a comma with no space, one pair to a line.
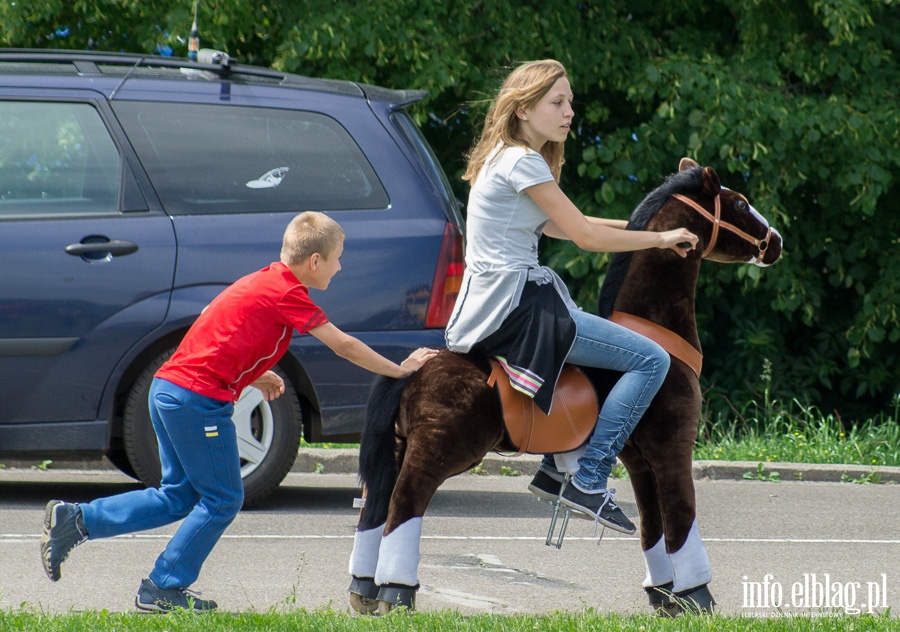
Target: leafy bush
[795,103]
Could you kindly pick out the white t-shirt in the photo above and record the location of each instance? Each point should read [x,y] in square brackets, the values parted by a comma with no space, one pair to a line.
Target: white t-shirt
[503,226]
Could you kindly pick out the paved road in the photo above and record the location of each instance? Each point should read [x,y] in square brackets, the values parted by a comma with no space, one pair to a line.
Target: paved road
[483,548]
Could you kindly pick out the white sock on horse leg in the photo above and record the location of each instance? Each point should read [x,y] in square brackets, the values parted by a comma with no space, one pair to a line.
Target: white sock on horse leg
[364,558]
[659,566]
[691,563]
[398,557]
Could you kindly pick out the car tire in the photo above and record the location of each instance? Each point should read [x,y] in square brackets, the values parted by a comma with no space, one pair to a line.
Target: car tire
[269,435]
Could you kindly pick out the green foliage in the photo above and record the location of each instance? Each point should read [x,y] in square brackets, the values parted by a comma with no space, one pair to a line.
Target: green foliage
[794,102]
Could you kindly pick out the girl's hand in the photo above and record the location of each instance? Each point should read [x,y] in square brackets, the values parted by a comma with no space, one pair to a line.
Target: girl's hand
[681,240]
[270,385]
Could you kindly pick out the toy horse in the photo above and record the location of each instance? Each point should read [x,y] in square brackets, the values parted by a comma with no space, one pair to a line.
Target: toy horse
[442,420]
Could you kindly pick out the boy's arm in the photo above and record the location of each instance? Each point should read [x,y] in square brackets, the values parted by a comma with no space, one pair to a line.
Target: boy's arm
[359,353]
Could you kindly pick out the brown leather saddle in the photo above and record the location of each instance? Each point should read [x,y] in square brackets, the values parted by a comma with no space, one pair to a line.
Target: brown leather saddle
[570,422]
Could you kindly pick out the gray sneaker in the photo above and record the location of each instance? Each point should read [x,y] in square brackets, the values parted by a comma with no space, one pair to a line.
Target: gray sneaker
[63,531]
[600,507]
[152,598]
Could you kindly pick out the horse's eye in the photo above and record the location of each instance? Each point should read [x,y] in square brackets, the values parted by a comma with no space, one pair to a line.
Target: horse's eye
[740,205]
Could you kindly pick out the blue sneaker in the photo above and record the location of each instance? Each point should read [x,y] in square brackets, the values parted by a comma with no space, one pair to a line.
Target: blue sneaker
[63,531]
[152,598]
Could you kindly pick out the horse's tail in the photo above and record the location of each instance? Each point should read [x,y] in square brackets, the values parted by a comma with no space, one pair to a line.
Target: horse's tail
[378,468]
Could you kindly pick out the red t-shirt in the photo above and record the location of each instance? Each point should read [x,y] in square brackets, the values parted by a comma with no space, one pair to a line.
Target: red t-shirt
[242,333]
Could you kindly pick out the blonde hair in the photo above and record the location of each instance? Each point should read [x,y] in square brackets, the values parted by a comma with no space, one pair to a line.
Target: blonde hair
[523,88]
[309,233]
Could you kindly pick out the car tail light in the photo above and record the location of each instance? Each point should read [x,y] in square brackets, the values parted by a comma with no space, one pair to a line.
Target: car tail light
[447,278]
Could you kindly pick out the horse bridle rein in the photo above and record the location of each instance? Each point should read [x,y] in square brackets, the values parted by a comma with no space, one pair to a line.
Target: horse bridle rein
[761,244]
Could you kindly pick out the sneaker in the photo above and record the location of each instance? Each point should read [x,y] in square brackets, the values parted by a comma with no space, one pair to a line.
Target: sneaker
[545,486]
[63,531]
[152,598]
[600,507]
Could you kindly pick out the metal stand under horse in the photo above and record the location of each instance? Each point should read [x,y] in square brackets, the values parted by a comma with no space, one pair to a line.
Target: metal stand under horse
[556,539]
[557,508]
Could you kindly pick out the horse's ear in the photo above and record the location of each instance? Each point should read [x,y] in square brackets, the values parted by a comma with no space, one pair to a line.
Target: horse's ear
[711,184]
[686,163]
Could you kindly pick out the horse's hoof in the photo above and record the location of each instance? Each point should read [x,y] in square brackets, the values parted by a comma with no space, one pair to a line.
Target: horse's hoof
[392,596]
[697,600]
[660,598]
[363,595]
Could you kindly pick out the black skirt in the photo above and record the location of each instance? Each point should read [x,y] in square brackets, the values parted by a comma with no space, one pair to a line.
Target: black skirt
[534,341]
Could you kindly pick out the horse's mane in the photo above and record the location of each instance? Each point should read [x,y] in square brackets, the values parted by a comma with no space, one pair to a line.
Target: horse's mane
[688,181]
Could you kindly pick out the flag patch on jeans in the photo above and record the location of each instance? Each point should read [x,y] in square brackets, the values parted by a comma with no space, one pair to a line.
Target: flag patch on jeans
[211,431]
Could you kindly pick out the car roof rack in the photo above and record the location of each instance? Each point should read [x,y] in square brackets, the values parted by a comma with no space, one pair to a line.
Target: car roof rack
[89,62]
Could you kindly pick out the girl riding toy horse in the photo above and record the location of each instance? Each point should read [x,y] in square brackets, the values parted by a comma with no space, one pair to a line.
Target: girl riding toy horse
[443,419]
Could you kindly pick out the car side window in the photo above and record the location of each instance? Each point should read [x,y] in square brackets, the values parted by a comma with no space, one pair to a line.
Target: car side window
[56,158]
[246,159]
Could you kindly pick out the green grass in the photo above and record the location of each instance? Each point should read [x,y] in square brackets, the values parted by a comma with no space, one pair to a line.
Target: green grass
[334,446]
[444,621]
[800,434]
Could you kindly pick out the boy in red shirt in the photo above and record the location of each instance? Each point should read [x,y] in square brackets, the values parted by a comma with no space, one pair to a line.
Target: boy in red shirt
[233,344]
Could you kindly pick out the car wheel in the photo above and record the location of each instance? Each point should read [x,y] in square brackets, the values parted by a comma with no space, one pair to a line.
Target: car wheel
[268,435]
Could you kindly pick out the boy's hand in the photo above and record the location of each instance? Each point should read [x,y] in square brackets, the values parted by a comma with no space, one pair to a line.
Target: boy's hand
[270,385]
[417,358]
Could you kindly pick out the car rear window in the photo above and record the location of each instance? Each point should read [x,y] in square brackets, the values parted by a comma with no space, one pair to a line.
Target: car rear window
[243,159]
[416,141]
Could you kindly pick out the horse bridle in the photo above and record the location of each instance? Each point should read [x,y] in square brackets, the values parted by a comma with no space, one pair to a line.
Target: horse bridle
[761,244]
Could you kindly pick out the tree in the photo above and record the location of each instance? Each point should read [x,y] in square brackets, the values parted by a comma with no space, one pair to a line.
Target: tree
[794,102]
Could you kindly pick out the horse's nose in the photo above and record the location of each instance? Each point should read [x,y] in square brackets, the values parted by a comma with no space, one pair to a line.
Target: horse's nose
[773,250]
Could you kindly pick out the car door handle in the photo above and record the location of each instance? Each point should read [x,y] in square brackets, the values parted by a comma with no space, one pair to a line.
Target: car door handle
[117,247]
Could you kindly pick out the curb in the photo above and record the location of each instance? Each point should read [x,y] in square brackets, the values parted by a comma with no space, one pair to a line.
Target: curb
[345,461]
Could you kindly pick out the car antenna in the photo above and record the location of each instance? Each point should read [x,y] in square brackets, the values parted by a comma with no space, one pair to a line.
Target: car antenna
[194,39]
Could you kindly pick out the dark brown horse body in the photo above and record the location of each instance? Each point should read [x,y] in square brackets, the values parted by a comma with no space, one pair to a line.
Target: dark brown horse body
[444,419]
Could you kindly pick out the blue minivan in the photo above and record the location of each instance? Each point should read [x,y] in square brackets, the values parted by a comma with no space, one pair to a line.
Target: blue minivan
[133,189]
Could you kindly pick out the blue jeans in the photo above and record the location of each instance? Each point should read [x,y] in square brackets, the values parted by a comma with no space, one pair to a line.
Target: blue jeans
[605,345]
[201,482]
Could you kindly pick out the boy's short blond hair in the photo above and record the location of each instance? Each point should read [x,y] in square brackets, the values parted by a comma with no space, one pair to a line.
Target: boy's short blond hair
[309,233]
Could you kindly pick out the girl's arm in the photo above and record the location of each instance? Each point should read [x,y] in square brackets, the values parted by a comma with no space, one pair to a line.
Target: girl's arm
[552,230]
[600,236]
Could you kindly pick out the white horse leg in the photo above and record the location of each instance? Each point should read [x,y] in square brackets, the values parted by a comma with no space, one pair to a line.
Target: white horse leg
[398,557]
[692,574]
[691,563]
[398,566]
[363,563]
[660,577]
[659,565]
[364,558]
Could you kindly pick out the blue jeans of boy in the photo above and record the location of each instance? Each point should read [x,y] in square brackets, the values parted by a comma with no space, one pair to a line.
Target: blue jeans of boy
[201,483]
[605,345]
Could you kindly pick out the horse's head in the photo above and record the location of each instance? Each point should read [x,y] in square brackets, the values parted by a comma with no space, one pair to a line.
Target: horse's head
[729,228]
[732,231]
